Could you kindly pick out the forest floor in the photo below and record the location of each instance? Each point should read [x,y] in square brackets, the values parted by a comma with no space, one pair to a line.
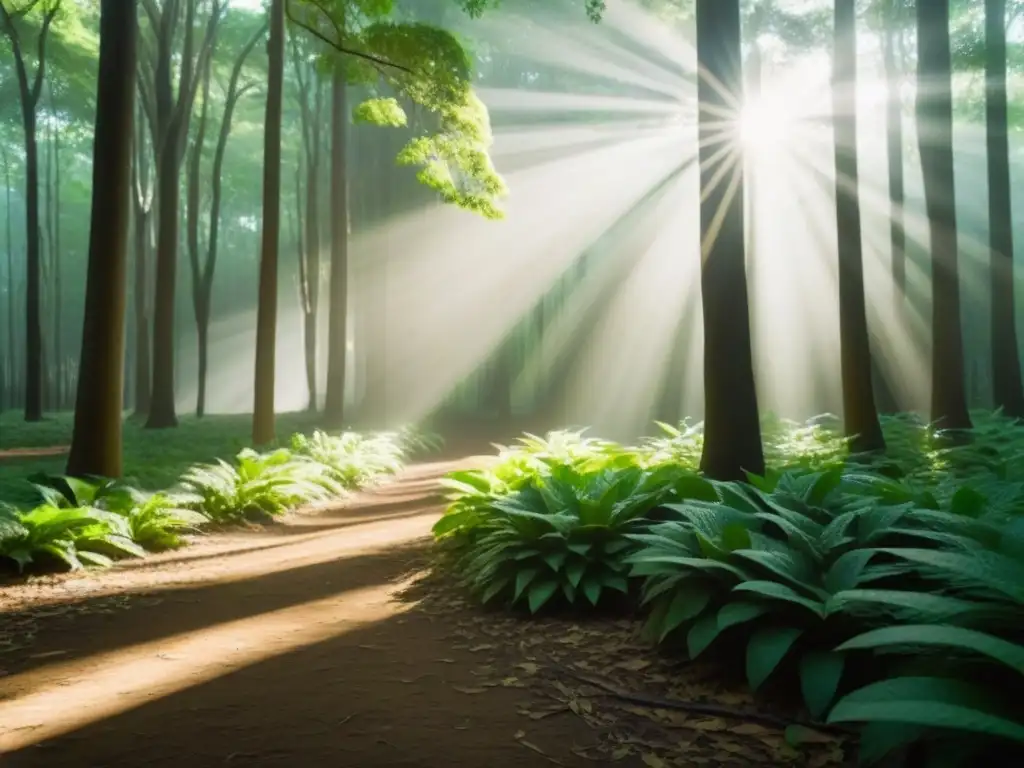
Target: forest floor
[321,642]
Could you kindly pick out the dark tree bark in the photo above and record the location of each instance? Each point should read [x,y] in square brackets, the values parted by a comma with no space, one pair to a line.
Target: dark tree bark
[859,414]
[337,320]
[732,430]
[171,121]
[894,147]
[29,92]
[266,313]
[1007,389]
[12,358]
[935,136]
[203,265]
[96,442]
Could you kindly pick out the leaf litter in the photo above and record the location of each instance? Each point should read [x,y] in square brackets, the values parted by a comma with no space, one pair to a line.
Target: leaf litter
[644,707]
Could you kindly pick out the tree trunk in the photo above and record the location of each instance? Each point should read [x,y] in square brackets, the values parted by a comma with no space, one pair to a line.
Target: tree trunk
[162,412]
[266,314]
[337,321]
[1007,388]
[859,414]
[12,358]
[142,208]
[96,441]
[935,115]
[732,431]
[29,99]
[894,146]
[200,300]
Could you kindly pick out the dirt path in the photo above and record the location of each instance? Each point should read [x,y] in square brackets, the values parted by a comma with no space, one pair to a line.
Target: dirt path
[283,648]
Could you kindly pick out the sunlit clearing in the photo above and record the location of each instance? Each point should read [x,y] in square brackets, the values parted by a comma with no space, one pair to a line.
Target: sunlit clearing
[56,699]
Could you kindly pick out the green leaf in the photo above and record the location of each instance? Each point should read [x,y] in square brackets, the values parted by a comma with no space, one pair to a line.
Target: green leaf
[574,571]
[768,646]
[686,603]
[820,672]
[540,593]
[739,612]
[592,590]
[958,638]
[778,591]
[701,635]
[735,536]
[932,702]
[523,579]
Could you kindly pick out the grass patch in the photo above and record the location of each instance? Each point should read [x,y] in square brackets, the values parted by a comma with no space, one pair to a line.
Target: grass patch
[153,459]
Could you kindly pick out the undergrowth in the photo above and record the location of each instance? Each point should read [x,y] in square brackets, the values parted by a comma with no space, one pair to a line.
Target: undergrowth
[888,590]
[75,522]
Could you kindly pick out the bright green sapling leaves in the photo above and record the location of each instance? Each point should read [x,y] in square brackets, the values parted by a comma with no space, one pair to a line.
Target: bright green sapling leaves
[413,66]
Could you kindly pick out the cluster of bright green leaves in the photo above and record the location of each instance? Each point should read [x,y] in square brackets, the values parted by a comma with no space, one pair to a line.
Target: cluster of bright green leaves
[414,65]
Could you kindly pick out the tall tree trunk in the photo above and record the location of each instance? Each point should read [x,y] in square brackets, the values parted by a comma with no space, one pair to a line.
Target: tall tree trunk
[28,93]
[12,358]
[1007,388]
[60,396]
[732,437]
[266,313]
[337,321]
[96,441]
[935,136]
[142,200]
[173,115]
[204,267]
[859,414]
[200,305]
[894,146]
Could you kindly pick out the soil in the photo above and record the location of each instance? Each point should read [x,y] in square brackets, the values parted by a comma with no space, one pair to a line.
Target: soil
[319,642]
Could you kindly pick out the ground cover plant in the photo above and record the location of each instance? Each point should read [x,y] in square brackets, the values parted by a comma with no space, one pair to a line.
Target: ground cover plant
[74,522]
[885,590]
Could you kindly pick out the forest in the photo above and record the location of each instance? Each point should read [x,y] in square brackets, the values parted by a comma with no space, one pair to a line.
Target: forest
[511,383]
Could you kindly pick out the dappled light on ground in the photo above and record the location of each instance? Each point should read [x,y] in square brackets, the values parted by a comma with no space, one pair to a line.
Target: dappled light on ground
[49,702]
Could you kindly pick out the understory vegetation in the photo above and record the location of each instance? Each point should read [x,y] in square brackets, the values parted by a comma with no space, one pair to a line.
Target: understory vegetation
[886,589]
[74,522]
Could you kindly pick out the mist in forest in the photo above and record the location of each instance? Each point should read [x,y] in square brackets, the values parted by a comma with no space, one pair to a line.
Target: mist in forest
[583,304]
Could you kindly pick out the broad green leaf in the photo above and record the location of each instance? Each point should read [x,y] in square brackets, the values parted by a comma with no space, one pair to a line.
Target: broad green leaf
[540,593]
[702,634]
[926,701]
[523,579]
[686,603]
[820,672]
[739,612]
[774,590]
[767,647]
[955,638]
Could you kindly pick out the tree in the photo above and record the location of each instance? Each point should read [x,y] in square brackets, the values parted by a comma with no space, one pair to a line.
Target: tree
[935,138]
[96,441]
[169,116]
[891,32]
[203,260]
[337,319]
[266,313]
[859,413]
[29,92]
[142,209]
[1007,388]
[310,97]
[732,442]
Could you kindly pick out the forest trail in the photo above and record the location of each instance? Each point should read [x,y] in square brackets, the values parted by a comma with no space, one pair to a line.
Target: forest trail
[286,647]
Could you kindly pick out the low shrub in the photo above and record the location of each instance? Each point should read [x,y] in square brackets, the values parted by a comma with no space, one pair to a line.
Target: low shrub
[888,587]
